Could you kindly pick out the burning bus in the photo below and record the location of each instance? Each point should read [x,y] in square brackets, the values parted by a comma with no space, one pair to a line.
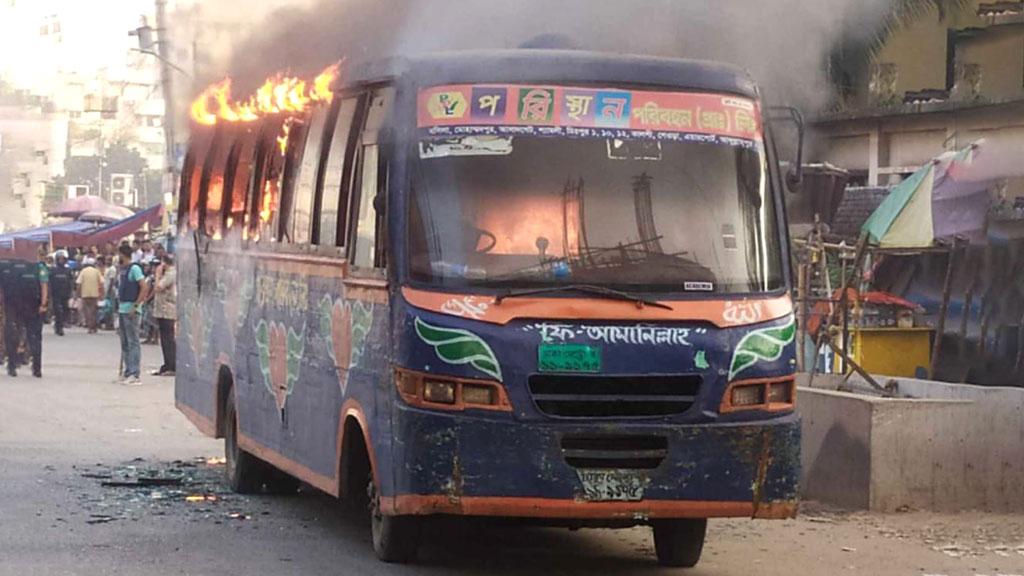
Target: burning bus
[544,285]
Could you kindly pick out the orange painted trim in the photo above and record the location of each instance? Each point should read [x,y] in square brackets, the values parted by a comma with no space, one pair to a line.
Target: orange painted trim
[305,264]
[424,505]
[353,409]
[204,424]
[370,291]
[317,267]
[285,464]
[721,313]
[417,400]
[269,255]
[727,407]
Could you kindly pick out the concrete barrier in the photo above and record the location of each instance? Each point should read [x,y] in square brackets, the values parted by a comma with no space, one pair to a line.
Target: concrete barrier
[943,447]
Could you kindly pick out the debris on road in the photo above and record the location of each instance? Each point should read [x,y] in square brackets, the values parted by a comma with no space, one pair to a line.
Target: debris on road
[141,482]
[139,488]
[99,519]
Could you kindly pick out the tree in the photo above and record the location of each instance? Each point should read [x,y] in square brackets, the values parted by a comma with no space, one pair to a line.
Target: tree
[905,12]
[849,61]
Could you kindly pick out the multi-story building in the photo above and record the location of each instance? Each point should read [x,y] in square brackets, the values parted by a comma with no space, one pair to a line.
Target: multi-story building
[79,69]
[937,85]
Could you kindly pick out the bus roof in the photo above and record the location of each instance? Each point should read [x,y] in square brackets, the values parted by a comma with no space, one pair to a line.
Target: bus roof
[570,67]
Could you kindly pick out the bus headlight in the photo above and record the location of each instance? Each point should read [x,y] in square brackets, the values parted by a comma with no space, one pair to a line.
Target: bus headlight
[440,392]
[766,394]
[446,393]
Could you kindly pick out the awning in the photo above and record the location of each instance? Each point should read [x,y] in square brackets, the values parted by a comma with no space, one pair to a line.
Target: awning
[43,233]
[84,234]
[944,198]
[117,230]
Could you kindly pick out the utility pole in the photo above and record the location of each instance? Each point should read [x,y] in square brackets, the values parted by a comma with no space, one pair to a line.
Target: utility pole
[164,49]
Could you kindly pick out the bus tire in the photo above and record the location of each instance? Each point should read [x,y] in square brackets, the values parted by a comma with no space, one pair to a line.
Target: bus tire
[395,538]
[244,472]
[679,543]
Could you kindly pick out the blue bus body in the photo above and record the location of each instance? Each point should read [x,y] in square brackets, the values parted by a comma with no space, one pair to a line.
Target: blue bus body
[567,406]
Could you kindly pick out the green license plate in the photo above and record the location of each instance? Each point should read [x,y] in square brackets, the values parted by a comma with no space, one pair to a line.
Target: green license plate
[568,358]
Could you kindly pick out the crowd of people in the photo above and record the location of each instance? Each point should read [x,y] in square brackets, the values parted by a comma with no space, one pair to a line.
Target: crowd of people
[129,288]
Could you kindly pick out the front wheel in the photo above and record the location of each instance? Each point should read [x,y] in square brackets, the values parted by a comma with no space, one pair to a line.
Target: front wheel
[679,543]
[395,538]
[245,473]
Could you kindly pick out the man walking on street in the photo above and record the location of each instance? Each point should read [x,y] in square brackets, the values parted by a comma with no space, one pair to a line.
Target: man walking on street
[26,293]
[165,311]
[131,293]
[90,288]
[60,288]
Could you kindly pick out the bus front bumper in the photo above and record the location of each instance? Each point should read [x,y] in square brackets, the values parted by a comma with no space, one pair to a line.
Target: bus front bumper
[473,466]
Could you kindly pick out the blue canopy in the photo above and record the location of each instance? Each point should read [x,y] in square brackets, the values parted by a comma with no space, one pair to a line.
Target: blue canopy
[43,233]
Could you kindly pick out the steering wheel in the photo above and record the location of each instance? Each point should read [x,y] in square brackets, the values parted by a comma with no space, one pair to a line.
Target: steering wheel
[480,235]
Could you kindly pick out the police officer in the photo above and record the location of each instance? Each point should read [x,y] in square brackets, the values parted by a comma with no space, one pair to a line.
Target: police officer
[26,294]
[60,289]
[4,266]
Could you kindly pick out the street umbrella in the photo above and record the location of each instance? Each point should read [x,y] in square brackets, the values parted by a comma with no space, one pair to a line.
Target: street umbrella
[75,207]
[106,214]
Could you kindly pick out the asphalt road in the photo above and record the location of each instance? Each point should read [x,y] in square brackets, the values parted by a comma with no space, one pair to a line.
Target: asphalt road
[63,436]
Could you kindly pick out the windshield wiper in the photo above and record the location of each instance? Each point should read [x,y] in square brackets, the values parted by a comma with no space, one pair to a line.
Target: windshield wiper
[587,289]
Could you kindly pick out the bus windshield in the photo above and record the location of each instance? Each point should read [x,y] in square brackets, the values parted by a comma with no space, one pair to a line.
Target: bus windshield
[643,215]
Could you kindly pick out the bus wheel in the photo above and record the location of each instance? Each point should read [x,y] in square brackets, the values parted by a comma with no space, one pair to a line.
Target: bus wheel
[679,543]
[395,538]
[244,472]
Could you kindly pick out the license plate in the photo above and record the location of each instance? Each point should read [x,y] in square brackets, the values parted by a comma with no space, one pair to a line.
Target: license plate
[568,358]
[613,485]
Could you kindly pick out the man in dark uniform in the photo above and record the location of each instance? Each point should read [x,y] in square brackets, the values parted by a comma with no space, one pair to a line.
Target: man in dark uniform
[26,294]
[60,292]
[4,265]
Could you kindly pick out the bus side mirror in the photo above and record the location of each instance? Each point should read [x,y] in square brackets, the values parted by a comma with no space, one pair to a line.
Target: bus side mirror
[795,174]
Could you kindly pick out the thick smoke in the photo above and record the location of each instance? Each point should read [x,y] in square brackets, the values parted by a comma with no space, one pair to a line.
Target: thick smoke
[784,43]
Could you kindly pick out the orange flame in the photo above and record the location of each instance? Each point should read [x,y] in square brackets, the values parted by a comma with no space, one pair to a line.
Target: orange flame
[267,206]
[279,94]
[282,140]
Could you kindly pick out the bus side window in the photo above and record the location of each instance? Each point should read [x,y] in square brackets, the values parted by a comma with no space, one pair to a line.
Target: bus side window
[337,179]
[236,184]
[192,176]
[264,182]
[306,179]
[293,157]
[185,196]
[213,182]
[367,207]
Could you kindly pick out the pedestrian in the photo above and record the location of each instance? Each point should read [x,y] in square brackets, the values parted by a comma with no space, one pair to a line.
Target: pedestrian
[148,328]
[90,289]
[26,295]
[110,292]
[137,253]
[131,293]
[148,253]
[4,267]
[60,287]
[165,310]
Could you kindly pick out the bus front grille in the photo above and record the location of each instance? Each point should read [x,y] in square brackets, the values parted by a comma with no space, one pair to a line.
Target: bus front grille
[571,396]
[614,452]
